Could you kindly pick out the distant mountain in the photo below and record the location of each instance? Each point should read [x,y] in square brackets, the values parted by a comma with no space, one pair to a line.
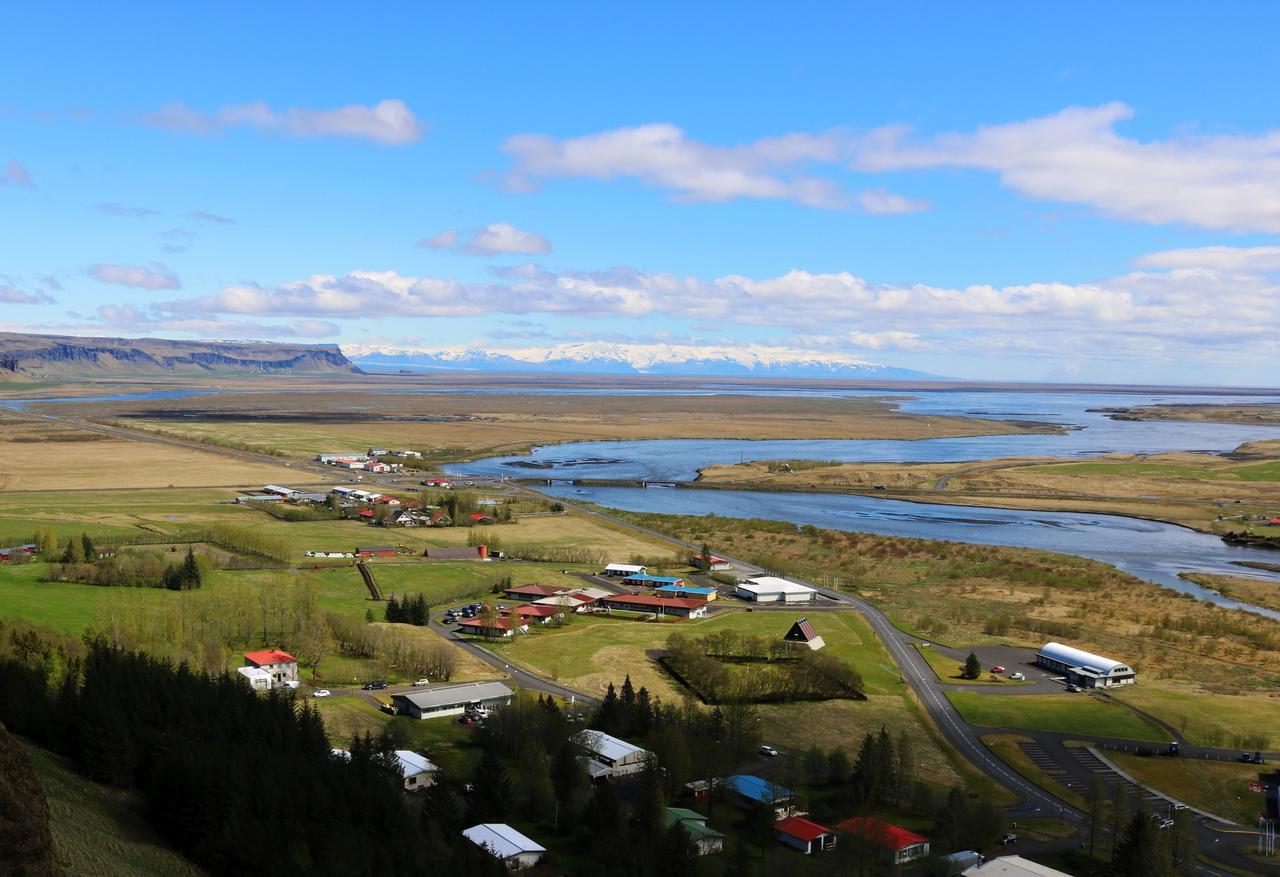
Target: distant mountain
[633,359]
[59,356]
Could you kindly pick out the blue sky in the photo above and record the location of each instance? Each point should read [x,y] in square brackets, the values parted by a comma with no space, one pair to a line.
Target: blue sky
[1093,195]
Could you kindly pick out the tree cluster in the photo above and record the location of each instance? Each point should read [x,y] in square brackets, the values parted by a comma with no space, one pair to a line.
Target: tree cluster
[130,571]
[810,676]
[408,610]
[433,658]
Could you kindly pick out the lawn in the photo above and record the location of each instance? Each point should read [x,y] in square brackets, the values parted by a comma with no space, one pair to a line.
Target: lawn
[1220,788]
[947,669]
[1211,718]
[448,744]
[101,830]
[1065,713]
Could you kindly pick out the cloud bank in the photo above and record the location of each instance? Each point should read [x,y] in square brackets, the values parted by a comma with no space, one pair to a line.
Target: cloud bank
[388,122]
[155,277]
[489,240]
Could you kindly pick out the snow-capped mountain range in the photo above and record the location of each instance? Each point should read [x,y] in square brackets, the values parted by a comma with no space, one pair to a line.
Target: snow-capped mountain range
[598,357]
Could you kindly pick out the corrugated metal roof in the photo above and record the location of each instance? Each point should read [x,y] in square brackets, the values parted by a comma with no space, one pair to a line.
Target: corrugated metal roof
[501,840]
[757,789]
[454,695]
[411,763]
[1079,658]
[774,585]
[607,745]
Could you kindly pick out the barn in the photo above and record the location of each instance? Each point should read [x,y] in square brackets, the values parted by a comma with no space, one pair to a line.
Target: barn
[1084,668]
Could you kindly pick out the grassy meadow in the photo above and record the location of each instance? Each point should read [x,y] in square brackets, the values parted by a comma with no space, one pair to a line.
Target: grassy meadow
[1067,713]
[1220,788]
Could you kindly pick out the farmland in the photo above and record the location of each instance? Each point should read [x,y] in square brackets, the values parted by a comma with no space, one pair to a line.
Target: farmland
[1220,788]
[1067,713]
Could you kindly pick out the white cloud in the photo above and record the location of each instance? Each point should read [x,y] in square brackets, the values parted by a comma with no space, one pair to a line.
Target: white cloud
[205,216]
[490,240]
[128,318]
[880,202]
[388,122]
[1076,156]
[1219,258]
[661,156]
[155,277]
[115,208]
[14,173]
[14,296]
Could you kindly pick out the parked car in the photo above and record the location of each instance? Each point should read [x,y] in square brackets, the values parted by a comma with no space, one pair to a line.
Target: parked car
[376,685]
[1017,677]
[421,682]
[1074,687]
[465,720]
[1166,823]
[1008,839]
[1258,759]
[997,669]
[320,692]
[1245,757]
[768,751]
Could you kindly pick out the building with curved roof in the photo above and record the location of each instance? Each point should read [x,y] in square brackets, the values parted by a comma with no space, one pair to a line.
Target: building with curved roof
[1084,668]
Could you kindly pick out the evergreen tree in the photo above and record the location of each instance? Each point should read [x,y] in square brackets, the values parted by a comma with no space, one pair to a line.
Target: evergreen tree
[73,552]
[1139,852]
[972,667]
[608,717]
[491,800]
[191,577]
[677,853]
[86,544]
[392,612]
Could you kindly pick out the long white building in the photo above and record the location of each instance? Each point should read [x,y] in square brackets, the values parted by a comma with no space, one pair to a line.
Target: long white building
[1084,668]
[771,589]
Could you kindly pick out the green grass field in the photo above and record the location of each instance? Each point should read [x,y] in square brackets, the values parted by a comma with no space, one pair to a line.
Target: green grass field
[448,744]
[947,669]
[1066,713]
[1209,718]
[1220,788]
[98,830]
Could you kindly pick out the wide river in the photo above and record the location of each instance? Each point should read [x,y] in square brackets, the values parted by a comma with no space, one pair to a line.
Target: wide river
[1151,550]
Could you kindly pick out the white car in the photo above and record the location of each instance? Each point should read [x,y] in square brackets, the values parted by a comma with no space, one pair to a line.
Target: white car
[421,682]
[1017,677]
[320,692]
[768,751]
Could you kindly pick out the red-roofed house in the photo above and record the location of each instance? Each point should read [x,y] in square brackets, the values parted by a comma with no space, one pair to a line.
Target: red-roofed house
[681,607]
[536,614]
[803,835]
[899,844]
[282,666]
[498,627]
[478,518]
[532,592]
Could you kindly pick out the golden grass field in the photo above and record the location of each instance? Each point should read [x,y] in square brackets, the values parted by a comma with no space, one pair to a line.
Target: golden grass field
[476,424]
[1255,591]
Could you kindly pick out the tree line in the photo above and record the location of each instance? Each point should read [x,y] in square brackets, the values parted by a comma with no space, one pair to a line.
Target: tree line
[811,676]
[143,570]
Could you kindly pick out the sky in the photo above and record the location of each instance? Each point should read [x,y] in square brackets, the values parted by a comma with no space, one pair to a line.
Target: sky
[1003,192]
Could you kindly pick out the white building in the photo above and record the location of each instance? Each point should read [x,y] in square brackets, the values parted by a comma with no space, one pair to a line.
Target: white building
[417,771]
[622,570]
[771,589]
[451,700]
[1013,866]
[258,679]
[282,667]
[611,757]
[1084,668]
[505,843]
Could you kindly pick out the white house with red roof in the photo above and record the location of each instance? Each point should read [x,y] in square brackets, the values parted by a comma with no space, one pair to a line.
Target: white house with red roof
[804,835]
[899,845]
[281,666]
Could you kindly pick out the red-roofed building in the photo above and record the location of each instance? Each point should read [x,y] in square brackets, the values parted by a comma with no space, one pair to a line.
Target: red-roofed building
[540,614]
[681,607]
[715,563]
[803,835]
[496,628]
[532,592]
[478,518]
[282,666]
[802,632]
[899,844]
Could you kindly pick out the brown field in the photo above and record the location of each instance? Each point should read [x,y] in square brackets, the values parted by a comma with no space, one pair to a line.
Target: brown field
[1204,491]
[1254,413]
[1255,591]
[111,464]
[454,425]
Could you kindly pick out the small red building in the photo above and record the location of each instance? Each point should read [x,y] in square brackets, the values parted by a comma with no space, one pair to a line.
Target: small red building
[899,845]
[375,551]
[803,835]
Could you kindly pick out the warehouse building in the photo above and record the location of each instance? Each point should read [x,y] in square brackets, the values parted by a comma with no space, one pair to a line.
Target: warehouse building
[611,757]
[1084,668]
[506,845]
[451,700]
[771,589]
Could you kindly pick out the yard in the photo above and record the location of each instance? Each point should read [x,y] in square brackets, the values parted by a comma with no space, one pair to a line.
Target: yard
[448,744]
[1065,713]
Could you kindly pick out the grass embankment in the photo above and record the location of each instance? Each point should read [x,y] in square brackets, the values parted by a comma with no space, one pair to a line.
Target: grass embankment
[1222,717]
[1006,748]
[1205,491]
[1065,713]
[454,426]
[948,670]
[1259,592]
[100,830]
[1220,788]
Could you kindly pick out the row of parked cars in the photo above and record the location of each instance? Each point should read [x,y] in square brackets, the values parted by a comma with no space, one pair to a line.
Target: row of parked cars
[471,610]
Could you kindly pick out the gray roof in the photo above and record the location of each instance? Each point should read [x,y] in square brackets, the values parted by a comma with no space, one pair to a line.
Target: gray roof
[453,695]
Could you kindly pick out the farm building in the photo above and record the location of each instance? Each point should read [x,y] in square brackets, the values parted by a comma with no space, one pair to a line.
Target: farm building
[1083,668]
[611,757]
[334,458]
[705,838]
[899,846]
[711,563]
[258,679]
[644,580]
[496,628]
[680,607]
[478,518]
[1012,866]
[803,835]
[417,771]
[622,570]
[17,551]
[532,592]
[579,600]
[282,666]
[802,632]
[770,589]
[450,700]
[476,552]
[531,614]
[258,497]
[748,790]
[690,592]
[375,551]
[285,492]
[506,844]
[299,496]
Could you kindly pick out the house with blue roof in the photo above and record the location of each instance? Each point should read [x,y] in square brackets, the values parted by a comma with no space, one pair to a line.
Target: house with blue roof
[644,580]
[691,591]
[749,791]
